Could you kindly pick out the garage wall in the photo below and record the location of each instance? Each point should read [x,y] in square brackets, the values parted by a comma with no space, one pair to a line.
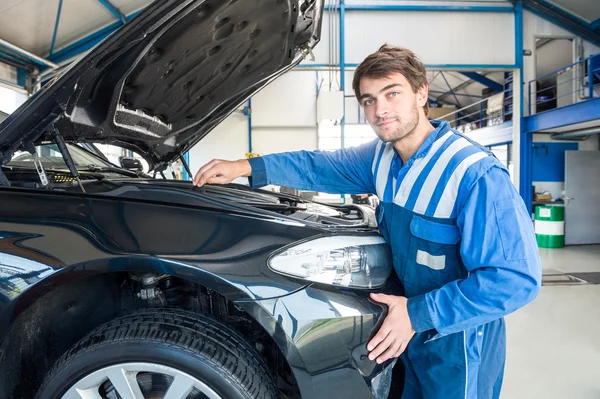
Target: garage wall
[437,37]
[556,185]
[288,101]
[229,140]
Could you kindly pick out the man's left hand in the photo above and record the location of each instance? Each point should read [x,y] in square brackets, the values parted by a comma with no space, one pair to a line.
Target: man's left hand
[396,331]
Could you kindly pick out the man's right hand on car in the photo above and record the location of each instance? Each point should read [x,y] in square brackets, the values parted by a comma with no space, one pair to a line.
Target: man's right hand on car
[219,171]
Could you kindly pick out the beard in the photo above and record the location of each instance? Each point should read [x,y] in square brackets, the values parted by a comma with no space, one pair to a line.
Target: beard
[403,129]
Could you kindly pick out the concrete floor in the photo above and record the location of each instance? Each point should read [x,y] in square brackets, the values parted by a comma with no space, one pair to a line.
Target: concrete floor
[554,342]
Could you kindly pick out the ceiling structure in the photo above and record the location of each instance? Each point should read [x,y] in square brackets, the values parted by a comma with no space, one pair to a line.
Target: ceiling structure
[54,32]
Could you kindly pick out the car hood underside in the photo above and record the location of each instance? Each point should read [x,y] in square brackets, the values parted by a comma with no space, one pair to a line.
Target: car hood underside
[164,80]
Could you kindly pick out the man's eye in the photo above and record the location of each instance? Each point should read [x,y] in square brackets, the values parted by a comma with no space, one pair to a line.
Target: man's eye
[393,94]
[368,102]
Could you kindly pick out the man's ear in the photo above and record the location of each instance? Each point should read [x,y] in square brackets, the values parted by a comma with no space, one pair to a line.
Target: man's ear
[422,95]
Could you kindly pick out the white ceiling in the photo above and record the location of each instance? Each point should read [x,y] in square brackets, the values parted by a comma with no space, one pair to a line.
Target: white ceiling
[588,10]
[29,24]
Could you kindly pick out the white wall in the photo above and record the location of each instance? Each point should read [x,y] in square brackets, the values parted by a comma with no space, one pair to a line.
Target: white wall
[288,101]
[275,139]
[229,140]
[10,100]
[436,37]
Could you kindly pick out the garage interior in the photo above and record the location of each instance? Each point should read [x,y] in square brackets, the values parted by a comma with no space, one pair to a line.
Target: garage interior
[520,77]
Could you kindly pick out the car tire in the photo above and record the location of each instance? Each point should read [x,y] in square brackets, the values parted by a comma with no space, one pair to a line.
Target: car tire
[184,343]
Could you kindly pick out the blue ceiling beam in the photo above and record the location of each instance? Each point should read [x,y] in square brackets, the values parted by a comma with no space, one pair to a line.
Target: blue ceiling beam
[114,10]
[454,93]
[584,111]
[595,25]
[87,42]
[60,2]
[483,80]
[12,59]
[562,18]
[451,90]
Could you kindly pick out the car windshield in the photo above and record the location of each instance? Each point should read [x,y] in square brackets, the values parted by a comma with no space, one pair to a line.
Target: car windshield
[51,158]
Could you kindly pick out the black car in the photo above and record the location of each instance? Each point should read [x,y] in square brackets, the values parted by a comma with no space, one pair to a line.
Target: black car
[117,284]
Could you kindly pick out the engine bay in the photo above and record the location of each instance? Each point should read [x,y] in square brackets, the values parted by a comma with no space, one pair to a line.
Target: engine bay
[177,192]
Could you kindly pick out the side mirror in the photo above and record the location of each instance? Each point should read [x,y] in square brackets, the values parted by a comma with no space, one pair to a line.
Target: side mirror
[130,163]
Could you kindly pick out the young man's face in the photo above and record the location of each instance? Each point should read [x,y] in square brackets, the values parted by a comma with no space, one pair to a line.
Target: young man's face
[391,106]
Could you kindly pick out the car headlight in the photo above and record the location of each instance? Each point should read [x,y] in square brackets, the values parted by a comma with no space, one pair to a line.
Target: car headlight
[347,261]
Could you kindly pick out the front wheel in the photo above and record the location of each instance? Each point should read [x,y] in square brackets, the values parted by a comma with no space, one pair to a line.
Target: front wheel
[167,353]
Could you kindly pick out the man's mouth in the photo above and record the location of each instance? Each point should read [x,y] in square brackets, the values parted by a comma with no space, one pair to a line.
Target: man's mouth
[386,122]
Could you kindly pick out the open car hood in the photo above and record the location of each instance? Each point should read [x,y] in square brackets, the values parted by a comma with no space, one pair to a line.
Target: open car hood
[169,76]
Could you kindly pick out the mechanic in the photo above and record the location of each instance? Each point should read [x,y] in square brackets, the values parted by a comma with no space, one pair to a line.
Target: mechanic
[462,239]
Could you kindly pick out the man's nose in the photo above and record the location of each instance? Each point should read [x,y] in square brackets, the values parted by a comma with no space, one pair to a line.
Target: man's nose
[381,111]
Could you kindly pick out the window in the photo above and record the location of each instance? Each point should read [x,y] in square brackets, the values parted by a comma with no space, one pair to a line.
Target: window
[330,137]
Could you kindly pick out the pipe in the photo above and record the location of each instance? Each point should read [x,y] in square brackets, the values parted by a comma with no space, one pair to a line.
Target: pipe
[249,125]
[27,54]
[576,133]
[342,61]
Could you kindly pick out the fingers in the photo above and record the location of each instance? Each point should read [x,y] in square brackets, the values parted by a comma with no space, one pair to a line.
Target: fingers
[385,346]
[218,180]
[401,350]
[203,170]
[378,338]
[392,351]
[383,298]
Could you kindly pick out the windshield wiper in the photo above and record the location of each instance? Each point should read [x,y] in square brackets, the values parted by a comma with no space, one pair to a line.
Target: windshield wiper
[95,168]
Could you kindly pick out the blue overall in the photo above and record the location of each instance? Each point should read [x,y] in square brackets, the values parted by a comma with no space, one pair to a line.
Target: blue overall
[462,241]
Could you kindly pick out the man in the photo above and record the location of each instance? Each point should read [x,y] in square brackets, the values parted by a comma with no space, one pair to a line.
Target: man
[462,239]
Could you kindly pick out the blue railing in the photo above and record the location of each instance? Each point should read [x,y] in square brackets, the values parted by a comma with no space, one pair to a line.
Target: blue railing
[568,85]
[491,111]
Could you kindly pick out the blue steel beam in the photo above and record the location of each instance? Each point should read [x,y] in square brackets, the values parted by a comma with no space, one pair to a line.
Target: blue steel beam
[21,77]
[483,80]
[11,58]
[451,91]
[456,94]
[113,10]
[525,139]
[60,2]
[595,25]
[87,42]
[562,18]
[584,111]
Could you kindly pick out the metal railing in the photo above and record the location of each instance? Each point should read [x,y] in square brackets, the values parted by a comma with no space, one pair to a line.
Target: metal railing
[491,111]
[577,82]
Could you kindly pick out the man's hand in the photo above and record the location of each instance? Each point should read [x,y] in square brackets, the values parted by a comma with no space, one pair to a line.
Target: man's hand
[396,331]
[218,171]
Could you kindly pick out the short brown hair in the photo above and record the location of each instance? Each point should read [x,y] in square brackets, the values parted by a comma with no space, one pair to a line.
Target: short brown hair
[390,59]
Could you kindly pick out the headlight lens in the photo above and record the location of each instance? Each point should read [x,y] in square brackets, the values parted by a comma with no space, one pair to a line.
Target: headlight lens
[347,261]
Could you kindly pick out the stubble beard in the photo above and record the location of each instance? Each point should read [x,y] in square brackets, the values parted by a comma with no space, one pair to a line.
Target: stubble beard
[404,130]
